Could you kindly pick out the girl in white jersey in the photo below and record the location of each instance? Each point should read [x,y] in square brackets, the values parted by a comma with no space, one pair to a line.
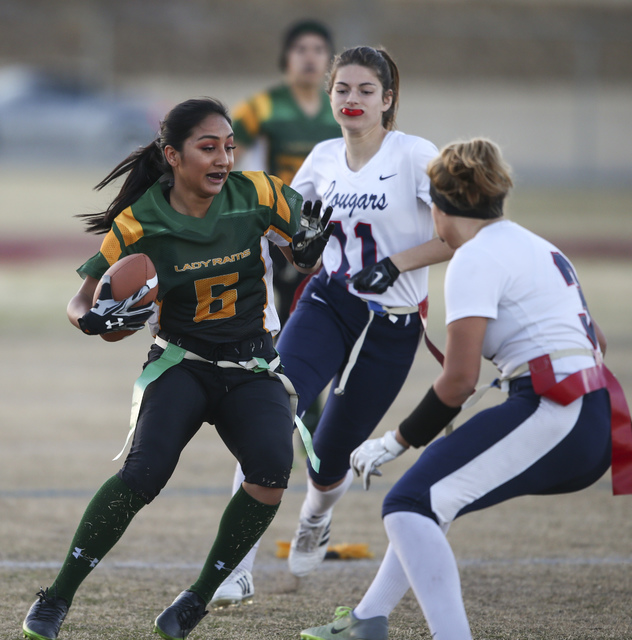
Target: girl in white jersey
[513,298]
[357,324]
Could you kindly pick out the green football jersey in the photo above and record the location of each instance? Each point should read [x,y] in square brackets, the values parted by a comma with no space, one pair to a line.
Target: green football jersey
[214,273]
[290,133]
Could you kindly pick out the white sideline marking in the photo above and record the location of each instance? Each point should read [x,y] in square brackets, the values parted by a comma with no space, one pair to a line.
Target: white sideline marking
[269,567]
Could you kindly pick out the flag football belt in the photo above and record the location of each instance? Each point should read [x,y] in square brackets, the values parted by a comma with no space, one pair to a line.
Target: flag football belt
[570,389]
[391,313]
[173,354]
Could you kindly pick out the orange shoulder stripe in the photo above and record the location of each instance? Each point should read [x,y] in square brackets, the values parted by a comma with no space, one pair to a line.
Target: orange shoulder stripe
[283,208]
[130,230]
[111,248]
[263,187]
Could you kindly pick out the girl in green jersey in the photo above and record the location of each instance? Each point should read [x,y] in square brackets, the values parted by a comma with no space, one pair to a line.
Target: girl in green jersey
[207,231]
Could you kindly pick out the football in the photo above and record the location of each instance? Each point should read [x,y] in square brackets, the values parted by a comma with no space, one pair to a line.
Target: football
[127,276]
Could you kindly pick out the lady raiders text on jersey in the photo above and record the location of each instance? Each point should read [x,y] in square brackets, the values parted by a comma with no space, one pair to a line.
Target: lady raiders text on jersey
[214,273]
[290,134]
[380,210]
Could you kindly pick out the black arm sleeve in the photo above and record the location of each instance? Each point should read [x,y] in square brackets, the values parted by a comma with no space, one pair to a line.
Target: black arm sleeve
[425,422]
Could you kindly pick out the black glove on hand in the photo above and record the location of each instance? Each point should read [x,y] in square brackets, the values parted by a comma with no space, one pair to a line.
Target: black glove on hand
[309,243]
[376,278]
[109,315]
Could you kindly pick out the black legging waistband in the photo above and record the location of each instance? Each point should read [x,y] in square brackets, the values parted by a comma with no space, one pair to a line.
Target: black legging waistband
[260,346]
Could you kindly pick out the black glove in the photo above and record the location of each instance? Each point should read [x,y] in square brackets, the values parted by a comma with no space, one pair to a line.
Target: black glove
[309,243]
[109,315]
[376,278]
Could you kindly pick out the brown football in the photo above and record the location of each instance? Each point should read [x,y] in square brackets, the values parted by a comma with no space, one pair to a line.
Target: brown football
[127,276]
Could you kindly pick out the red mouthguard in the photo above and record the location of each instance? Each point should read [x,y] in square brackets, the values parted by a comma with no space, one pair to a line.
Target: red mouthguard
[352,112]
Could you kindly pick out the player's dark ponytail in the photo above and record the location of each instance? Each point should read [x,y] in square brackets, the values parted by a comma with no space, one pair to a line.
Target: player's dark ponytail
[143,166]
[388,118]
[147,164]
[380,61]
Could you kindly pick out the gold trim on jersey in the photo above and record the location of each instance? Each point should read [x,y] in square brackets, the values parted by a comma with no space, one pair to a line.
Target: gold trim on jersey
[131,230]
[111,248]
[245,114]
[253,112]
[279,232]
[283,208]
[262,187]
[270,192]
[262,105]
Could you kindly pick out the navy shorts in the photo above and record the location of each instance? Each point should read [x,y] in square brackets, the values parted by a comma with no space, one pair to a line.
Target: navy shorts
[526,445]
[251,412]
[314,348]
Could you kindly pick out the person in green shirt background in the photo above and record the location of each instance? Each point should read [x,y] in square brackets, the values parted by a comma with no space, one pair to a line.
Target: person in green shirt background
[206,229]
[287,120]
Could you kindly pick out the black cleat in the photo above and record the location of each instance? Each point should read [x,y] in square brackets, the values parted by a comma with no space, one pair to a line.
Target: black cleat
[45,617]
[181,617]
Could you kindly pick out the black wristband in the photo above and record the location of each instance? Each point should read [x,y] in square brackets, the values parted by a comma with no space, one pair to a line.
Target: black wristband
[306,265]
[427,420]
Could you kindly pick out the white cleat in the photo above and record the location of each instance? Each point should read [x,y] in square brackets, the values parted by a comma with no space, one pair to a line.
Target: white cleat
[238,588]
[309,545]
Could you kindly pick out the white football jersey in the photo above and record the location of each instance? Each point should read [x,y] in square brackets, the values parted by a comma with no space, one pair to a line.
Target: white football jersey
[380,210]
[529,291]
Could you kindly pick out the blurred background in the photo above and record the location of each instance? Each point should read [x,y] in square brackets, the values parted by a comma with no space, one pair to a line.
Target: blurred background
[549,80]
[84,82]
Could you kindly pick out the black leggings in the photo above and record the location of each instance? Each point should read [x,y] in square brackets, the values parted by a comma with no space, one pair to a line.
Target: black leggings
[251,412]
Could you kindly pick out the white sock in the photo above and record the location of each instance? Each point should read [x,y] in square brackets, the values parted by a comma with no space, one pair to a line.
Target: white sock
[319,503]
[388,587]
[430,566]
[249,559]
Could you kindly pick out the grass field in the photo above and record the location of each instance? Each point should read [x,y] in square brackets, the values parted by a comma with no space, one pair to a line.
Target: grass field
[558,568]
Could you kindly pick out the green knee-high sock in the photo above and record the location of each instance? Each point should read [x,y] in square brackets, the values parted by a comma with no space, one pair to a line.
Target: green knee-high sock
[243,523]
[107,516]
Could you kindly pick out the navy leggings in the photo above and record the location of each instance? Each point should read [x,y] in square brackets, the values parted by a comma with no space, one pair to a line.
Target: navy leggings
[526,445]
[314,348]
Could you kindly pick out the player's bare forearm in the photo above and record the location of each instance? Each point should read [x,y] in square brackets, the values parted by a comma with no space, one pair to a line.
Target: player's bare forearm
[81,302]
[601,338]
[432,252]
[464,345]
